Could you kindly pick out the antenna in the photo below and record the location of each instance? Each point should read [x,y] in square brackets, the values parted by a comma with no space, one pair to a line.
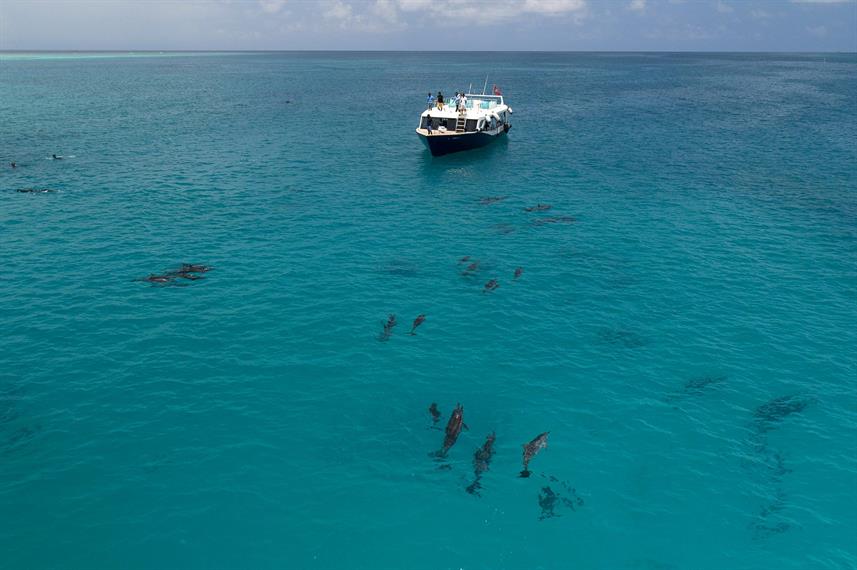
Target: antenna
[470,89]
[484,87]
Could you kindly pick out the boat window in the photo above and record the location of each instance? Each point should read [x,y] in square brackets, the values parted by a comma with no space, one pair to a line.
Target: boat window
[470,126]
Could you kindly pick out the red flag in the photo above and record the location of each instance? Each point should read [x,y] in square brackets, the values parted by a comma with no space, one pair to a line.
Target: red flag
[497,91]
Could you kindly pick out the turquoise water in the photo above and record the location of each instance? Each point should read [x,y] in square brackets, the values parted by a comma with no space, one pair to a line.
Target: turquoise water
[688,340]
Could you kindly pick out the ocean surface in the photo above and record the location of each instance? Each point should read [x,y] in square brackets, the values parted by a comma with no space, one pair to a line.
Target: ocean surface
[684,327]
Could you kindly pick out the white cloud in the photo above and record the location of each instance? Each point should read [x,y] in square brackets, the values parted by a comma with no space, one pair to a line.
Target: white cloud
[821,1]
[817,31]
[724,8]
[479,12]
[760,14]
[637,5]
[272,6]
[385,10]
[553,6]
[381,16]
[338,10]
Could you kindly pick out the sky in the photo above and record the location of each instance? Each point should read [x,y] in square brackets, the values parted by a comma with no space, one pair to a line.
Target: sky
[550,25]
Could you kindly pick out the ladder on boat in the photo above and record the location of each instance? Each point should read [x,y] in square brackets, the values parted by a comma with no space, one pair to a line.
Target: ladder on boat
[460,122]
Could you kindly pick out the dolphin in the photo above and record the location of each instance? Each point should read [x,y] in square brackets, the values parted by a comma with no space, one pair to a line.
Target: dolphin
[554,220]
[549,500]
[538,208]
[490,286]
[388,328]
[417,322]
[518,272]
[481,460]
[187,275]
[453,429]
[435,413]
[698,385]
[157,279]
[532,449]
[194,268]
[773,412]
[464,259]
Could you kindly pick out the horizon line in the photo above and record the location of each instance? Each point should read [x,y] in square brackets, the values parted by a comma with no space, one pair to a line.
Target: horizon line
[189,51]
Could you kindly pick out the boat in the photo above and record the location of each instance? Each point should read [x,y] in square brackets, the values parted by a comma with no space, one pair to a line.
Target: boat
[482,120]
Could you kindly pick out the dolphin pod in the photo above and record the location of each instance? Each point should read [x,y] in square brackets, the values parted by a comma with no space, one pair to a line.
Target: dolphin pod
[549,499]
[189,271]
[389,325]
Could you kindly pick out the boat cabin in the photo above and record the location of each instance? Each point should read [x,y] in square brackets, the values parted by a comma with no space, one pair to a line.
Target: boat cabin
[480,113]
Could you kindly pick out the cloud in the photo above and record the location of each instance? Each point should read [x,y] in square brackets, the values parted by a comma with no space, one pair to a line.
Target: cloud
[553,6]
[385,10]
[821,1]
[637,5]
[382,16]
[724,8]
[760,15]
[477,12]
[339,11]
[272,6]
[817,31]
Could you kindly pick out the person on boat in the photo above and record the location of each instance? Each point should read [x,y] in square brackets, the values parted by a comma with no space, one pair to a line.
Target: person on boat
[462,102]
[428,125]
[429,101]
[456,99]
[440,100]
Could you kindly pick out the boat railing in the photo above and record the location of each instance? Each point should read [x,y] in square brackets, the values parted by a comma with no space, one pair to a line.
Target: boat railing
[484,102]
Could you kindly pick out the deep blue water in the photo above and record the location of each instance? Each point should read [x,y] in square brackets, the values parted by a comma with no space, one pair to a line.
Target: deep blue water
[689,340]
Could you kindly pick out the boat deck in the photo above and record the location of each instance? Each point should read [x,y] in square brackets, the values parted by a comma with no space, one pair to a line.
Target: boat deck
[437,133]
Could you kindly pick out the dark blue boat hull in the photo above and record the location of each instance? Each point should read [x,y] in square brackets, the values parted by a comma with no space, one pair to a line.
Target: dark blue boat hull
[439,145]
